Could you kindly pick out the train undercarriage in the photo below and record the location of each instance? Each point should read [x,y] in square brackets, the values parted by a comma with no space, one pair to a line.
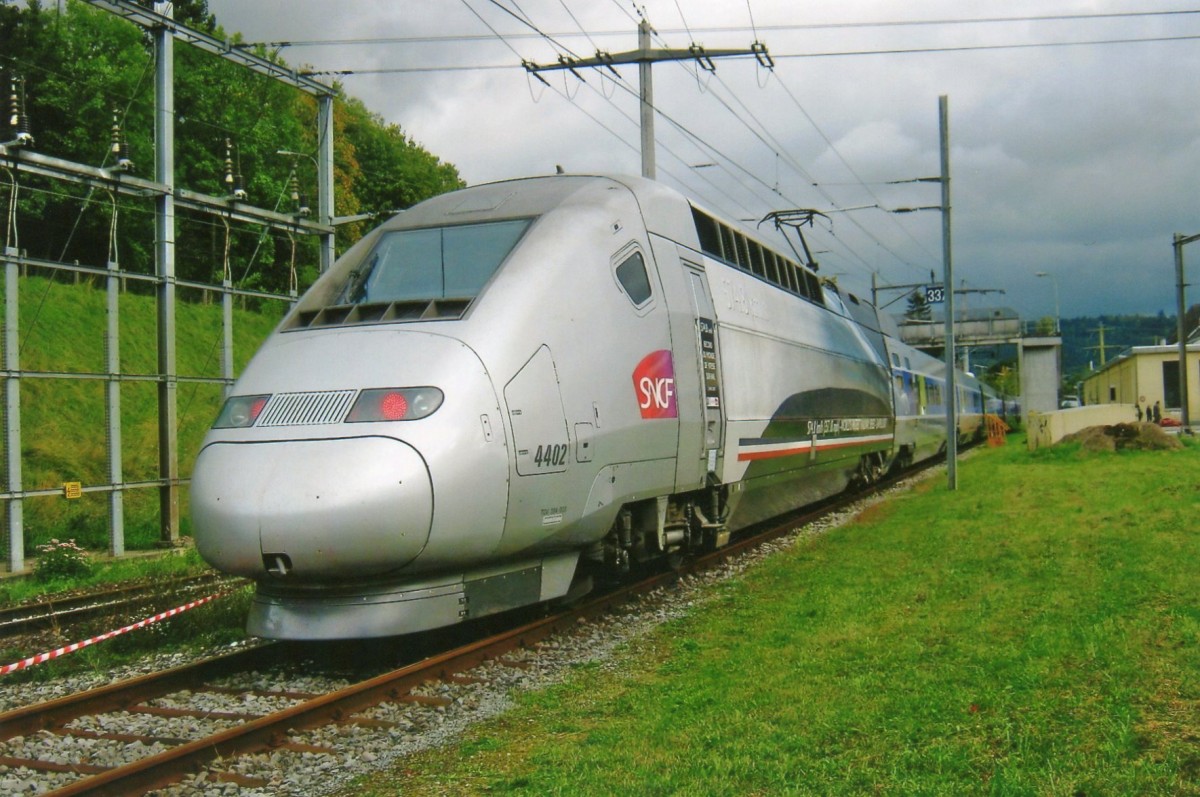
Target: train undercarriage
[670,526]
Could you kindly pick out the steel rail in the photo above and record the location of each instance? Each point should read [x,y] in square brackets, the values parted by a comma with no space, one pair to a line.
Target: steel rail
[270,730]
[118,696]
[50,609]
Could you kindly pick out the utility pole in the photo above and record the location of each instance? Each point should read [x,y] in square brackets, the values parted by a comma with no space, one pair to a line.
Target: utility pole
[164,256]
[948,284]
[1101,346]
[644,56]
[1181,327]
[646,102]
[325,207]
[948,281]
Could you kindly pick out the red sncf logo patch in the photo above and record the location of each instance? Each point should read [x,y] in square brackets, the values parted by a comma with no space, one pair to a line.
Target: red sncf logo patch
[654,385]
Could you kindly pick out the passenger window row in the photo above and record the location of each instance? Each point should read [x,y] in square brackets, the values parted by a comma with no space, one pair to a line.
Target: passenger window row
[725,243]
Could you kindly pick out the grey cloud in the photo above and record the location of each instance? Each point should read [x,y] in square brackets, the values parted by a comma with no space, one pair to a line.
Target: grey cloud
[1076,160]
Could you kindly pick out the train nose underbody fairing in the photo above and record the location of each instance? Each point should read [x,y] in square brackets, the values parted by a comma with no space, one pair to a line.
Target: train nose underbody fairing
[307,495]
[303,507]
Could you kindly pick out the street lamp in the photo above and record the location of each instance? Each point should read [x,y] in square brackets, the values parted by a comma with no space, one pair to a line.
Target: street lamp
[1054,279]
[290,153]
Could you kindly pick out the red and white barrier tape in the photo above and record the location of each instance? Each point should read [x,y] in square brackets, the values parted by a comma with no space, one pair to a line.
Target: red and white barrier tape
[54,654]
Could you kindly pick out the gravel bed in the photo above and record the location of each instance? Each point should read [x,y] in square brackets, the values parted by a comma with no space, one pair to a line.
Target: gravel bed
[137,724]
[250,705]
[282,681]
[414,726]
[18,780]
[26,694]
[47,746]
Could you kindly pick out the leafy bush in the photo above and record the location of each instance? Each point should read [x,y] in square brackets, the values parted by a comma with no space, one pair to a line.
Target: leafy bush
[61,559]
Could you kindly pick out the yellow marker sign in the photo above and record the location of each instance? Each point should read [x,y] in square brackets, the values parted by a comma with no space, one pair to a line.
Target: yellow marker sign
[72,490]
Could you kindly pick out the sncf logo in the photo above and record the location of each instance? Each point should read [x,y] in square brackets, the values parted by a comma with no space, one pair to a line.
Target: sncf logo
[654,384]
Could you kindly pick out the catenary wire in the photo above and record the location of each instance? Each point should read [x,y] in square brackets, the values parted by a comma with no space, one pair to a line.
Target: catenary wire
[789,56]
[777,148]
[620,82]
[695,138]
[754,30]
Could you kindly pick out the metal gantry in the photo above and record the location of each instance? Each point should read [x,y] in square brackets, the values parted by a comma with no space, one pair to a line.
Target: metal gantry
[17,159]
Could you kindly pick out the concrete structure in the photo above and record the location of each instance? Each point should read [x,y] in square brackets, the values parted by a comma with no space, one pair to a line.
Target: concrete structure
[1039,361]
[1145,375]
[982,327]
[1047,428]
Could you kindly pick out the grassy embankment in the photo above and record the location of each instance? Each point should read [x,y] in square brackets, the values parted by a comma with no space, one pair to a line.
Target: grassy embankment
[63,420]
[1034,632]
[64,428]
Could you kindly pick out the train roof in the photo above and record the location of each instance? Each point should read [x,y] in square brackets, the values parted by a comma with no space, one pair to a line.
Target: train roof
[665,209]
[519,198]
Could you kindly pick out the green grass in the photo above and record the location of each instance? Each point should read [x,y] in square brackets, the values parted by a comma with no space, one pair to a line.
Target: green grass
[1033,633]
[62,328]
[177,562]
[217,623]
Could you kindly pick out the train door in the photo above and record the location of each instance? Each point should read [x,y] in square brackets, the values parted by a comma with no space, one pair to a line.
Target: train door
[706,345]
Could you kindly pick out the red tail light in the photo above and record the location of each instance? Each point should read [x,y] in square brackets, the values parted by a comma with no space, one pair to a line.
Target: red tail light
[395,404]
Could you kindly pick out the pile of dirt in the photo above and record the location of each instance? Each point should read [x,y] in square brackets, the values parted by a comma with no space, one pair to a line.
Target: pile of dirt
[1122,436]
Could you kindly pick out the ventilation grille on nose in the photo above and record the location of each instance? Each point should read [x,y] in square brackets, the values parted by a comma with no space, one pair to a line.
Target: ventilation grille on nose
[307,409]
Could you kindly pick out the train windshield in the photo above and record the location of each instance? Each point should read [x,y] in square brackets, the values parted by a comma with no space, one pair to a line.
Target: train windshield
[432,263]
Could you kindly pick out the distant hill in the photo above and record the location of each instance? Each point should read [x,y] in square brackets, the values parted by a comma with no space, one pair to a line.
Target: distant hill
[1081,337]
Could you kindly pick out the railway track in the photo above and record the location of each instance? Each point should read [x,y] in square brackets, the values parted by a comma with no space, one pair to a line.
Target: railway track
[199,743]
[57,611]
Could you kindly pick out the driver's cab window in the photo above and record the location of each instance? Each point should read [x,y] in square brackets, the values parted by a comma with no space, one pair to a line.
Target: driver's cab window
[633,278]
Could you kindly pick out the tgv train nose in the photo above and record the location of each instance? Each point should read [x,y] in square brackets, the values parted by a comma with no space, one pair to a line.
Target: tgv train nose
[316,508]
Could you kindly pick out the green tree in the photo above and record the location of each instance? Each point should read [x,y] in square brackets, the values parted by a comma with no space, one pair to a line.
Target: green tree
[88,66]
[918,308]
[1004,377]
[400,172]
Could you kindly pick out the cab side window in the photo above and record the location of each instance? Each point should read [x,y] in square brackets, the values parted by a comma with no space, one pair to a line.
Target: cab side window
[631,273]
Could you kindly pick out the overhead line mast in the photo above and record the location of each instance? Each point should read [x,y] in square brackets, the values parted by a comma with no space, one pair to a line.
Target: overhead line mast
[644,57]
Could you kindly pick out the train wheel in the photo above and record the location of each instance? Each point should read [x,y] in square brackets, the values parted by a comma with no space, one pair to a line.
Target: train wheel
[870,470]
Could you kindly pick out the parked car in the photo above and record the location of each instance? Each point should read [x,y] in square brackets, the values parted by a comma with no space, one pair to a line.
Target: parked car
[1069,401]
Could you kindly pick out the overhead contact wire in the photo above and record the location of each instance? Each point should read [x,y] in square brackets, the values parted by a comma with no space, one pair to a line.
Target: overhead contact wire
[753,29]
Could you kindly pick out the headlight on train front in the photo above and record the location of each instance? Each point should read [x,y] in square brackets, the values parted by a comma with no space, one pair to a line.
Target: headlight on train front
[240,412]
[395,404]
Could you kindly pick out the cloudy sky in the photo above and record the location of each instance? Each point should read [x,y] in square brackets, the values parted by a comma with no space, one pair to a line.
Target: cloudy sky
[1075,160]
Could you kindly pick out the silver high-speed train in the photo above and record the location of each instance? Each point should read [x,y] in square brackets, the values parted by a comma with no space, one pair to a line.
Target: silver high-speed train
[507,389]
